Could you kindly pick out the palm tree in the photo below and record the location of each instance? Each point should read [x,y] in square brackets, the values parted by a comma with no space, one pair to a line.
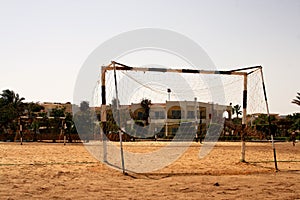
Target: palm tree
[236,110]
[10,97]
[11,108]
[297,100]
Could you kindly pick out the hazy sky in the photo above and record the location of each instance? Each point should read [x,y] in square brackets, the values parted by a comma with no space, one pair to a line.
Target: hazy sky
[44,43]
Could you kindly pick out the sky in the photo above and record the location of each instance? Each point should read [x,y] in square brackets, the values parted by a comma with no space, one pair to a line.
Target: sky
[43,44]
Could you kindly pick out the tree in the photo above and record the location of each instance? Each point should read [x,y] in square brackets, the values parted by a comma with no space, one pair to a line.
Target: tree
[84,120]
[113,114]
[5,116]
[264,126]
[236,110]
[11,108]
[56,122]
[11,98]
[35,125]
[84,106]
[297,100]
[33,109]
[145,104]
[57,112]
[111,123]
[295,121]
[70,127]
[263,119]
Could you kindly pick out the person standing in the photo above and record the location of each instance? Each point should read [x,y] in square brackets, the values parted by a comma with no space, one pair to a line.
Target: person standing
[293,137]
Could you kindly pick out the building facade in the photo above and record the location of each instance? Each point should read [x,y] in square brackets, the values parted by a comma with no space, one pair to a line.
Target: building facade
[165,118]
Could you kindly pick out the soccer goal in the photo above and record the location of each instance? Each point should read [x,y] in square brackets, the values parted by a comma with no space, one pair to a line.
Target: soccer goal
[180,104]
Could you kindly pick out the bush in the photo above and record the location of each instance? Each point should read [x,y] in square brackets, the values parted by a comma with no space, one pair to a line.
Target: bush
[283,139]
[230,138]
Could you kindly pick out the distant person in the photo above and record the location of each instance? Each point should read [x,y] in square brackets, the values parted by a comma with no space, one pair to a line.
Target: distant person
[293,138]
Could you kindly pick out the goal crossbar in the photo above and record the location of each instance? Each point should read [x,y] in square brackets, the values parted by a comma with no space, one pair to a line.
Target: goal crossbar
[119,66]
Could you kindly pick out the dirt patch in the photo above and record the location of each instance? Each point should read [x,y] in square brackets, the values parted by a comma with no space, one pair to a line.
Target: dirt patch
[54,171]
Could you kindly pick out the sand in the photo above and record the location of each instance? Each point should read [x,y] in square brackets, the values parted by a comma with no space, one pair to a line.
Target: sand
[55,171]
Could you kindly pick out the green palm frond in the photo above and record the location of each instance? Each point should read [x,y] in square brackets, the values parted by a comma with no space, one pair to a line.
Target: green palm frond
[297,100]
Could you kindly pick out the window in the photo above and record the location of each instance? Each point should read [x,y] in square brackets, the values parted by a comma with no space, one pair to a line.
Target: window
[176,114]
[190,114]
[140,115]
[159,115]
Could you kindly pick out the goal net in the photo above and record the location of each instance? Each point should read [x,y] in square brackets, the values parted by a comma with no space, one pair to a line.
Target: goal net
[172,104]
[152,102]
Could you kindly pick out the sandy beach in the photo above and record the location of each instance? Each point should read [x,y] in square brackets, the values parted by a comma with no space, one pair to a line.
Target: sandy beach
[55,171]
